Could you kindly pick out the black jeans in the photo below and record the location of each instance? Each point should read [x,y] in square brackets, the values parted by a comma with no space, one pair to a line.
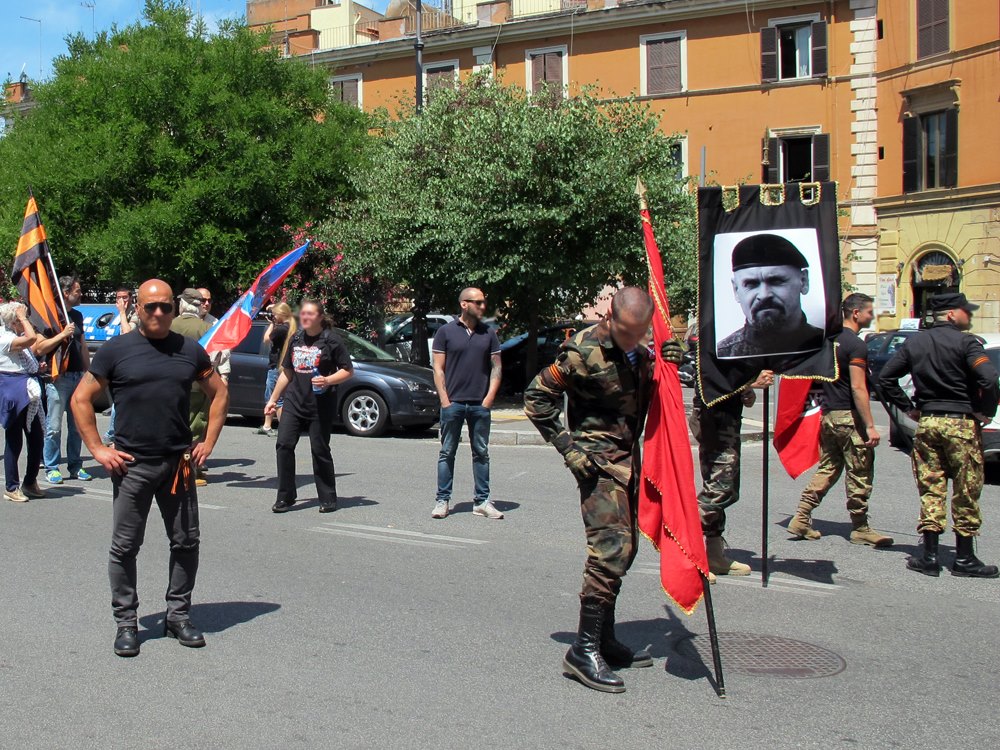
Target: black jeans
[162,479]
[319,428]
[14,436]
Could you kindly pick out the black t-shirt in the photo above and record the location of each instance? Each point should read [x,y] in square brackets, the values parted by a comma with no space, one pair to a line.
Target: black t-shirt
[467,359]
[73,361]
[278,335]
[150,381]
[325,352]
[851,352]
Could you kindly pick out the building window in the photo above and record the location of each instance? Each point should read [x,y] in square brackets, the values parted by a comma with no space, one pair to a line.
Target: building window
[347,89]
[547,68]
[932,27]
[930,151]
[797,157]
[663,62]
[679,157]
[440,74]
[793,49]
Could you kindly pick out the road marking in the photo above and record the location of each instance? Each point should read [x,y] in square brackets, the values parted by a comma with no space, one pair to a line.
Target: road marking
[108,496]
[396,536]
[774,582]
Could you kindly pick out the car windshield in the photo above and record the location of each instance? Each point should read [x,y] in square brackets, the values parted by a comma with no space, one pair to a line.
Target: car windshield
[363,351]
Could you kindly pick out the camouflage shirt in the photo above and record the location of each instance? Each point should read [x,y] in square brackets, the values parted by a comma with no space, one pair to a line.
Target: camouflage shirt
[608,400]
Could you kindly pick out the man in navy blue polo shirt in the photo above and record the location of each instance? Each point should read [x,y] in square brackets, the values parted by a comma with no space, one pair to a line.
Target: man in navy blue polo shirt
[467,377]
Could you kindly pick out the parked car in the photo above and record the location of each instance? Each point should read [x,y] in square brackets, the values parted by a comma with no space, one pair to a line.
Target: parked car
[100,323]
[382,393]
[399,340]
[882,346]
[514,353]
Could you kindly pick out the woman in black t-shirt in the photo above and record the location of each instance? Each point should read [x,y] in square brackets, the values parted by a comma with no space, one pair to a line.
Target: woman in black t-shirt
[282,326]
[314,361]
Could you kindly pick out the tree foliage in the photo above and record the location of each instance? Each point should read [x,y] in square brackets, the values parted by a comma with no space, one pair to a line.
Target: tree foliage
[160,150]
[530,198]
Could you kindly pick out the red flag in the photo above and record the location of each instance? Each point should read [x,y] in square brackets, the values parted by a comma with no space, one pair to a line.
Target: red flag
[668,504]
[796,426]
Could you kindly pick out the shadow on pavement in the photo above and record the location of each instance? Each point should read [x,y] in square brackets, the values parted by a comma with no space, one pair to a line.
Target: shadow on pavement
[261,482]
[213,617]
[501,505]
[659,635]
[342,502]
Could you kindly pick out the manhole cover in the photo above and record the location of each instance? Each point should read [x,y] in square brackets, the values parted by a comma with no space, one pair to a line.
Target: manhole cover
[747,653]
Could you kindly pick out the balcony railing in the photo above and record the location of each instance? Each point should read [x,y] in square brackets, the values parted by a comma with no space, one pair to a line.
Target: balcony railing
[363,32]
[522,8]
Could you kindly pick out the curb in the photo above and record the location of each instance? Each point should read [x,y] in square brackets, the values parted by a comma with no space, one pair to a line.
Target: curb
[510,437]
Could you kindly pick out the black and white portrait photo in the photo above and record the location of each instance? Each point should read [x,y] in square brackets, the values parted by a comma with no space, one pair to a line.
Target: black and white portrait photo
[769,293]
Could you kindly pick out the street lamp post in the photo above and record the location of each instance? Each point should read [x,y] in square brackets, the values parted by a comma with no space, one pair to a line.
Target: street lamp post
[418,47]
[39,22]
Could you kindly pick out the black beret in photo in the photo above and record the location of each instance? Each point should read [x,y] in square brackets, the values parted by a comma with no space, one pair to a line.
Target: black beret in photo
[951,301]
[766,250]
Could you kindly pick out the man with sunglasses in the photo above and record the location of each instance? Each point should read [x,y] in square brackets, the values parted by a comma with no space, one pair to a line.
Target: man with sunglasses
[150,372]
[467,377]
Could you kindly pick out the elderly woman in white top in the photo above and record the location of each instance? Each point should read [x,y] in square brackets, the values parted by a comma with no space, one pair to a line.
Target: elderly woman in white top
[20,402]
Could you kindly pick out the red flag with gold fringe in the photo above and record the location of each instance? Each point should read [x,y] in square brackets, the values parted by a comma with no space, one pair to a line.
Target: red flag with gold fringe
[668,503]
[36,281]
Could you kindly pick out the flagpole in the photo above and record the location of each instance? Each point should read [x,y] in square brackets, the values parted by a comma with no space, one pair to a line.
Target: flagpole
[764,490]
[52,265]
[713,637]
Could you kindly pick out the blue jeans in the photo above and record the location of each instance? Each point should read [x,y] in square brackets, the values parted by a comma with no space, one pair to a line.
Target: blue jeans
[57,396]
[269,383]
[453,418]
[109,436]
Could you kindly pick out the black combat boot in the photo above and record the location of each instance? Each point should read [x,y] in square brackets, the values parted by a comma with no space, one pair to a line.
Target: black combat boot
[927,561]
[616,653]
[127,641]
[584,660]
[967,565]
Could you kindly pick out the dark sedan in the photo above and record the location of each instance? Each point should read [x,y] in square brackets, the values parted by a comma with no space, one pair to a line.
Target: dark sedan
[514,353]
[383,392]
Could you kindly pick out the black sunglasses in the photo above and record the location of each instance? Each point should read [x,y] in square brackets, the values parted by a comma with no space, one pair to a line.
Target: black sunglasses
[163,307]
[475,301]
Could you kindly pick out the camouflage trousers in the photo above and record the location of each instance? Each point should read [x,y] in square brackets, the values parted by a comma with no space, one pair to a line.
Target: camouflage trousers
[610,513]
[718,436]
[948,448]
[842,447]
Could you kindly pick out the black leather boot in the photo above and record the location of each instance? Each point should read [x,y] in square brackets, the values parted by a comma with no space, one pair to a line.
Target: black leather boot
[967,565]
[185,633]
[584,660]
[127,641]
[927,561]
[616,653]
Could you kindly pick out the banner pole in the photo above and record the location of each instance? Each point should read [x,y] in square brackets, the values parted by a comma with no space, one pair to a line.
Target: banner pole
[764,490]
[713,637]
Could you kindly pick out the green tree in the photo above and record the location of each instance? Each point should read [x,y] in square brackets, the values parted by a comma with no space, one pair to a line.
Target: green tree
[530,198]
[161,150]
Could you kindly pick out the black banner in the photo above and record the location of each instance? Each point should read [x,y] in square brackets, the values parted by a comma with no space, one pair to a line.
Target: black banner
[769,284]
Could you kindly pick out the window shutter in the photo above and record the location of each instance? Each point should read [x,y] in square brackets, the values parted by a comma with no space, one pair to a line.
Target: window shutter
[442,76]
[337,89]
[537,70]
[950,170]
[663,66]
[819,58]
[350,91]
[939,33]
[911,154]
[821,157]
[768,54]
[932,27]
[774,161]
[553,68]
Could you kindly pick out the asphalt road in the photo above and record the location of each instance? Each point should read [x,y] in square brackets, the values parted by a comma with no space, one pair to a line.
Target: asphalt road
[379,627]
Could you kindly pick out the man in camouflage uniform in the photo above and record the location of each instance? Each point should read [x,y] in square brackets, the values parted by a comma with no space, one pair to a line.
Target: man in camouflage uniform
[606,374]
[956,392]
[847,436]
[717,430]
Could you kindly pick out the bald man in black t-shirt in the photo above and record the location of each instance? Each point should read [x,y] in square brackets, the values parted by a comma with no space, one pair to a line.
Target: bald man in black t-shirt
[150,372]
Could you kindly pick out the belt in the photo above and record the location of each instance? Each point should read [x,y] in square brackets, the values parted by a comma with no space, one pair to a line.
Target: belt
[948,414]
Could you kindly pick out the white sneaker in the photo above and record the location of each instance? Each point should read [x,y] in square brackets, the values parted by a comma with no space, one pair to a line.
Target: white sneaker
[15,496]
[440,509]
[487,510]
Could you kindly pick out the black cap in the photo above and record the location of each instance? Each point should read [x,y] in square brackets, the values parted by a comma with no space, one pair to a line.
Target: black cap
[951,301]
[766,250]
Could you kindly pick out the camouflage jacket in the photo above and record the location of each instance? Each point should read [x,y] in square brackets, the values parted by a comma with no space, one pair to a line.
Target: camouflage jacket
[608,400]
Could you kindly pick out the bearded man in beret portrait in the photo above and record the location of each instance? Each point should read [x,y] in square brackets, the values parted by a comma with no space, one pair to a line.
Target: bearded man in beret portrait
[770,277]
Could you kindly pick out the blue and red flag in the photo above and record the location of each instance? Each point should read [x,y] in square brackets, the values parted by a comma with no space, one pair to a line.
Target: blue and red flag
[233,327]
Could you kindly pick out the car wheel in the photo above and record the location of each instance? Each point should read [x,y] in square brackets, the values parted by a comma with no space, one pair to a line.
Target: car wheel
[365,414]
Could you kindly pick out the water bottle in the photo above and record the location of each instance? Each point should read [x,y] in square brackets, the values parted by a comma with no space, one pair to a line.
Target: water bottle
[318,389]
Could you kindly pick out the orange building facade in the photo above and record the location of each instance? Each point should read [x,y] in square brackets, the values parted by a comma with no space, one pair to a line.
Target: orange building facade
[759,92]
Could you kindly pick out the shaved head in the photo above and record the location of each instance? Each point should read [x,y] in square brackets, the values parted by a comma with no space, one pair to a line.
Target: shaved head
[155,289]
[156,308]
[632,303]
[472,301]
[469,291]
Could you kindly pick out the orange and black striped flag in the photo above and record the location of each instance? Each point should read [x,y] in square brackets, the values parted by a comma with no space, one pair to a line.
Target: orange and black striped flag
[34,276]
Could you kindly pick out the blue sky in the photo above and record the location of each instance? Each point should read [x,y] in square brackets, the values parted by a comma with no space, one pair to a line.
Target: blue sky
[19,38]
